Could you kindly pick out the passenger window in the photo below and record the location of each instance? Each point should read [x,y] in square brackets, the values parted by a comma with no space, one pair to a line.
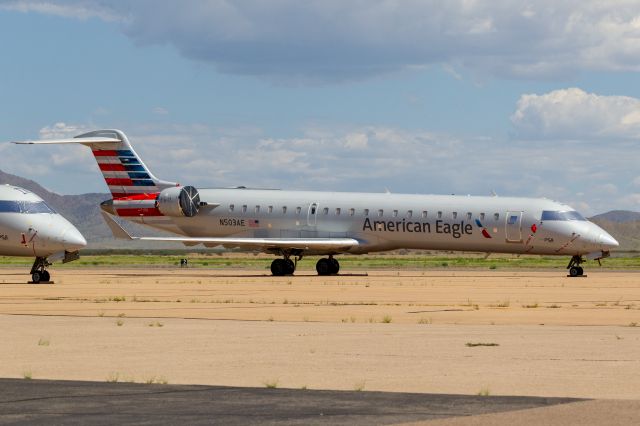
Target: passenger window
[284,209]
[230,207]
[454,215]
[496,216]
[424,214]
[352,212]
[469,215]
[380,212]
[244,208]
[298,210]
[338,211]
[325,210]
[409,213]
[270,209]
[512,220]
[313,209]
[481,216]
[366,212]
[257,209]
[395,213]
[439,215]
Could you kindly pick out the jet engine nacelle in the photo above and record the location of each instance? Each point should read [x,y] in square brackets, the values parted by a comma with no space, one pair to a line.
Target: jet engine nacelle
[179,201]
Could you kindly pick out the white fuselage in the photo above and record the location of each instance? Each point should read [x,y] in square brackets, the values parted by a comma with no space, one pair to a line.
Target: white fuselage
[392,221]
[28,227]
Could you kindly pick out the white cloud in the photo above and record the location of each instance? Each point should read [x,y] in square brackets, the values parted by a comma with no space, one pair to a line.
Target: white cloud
[83,9]
[575,114]
[62,130]
[335,40]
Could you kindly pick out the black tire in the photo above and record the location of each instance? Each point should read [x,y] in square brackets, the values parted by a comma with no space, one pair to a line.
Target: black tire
[323,267]
[574,271]
[335,266]
[580,271]
[291,266]
[278,267]
[45,276]
[36,277]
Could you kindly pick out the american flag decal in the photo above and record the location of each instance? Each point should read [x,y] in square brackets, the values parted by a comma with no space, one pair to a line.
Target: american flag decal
[253,223]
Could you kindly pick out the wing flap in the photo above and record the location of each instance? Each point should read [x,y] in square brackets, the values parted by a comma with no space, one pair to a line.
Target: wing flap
[338,244]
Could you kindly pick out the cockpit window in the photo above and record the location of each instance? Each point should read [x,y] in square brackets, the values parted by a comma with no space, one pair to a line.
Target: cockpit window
[28,207]
[558,215]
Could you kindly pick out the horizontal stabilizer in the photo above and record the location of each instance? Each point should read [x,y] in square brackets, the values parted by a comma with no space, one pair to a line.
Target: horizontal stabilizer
[69,140]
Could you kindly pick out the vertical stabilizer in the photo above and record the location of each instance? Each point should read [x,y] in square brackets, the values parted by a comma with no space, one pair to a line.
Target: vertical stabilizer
[124,172]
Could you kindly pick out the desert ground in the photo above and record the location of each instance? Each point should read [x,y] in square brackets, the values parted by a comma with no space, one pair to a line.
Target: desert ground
[462,332]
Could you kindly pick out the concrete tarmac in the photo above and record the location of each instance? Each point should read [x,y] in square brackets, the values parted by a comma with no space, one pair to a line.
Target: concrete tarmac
[69,402]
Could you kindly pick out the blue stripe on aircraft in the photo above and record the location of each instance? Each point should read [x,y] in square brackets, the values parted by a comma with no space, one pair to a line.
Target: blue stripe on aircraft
[134,168]
[125,160]
[139,176]
[143,183]
[124,153]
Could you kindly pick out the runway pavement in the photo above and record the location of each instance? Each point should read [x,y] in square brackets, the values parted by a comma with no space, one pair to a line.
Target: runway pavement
[68,402]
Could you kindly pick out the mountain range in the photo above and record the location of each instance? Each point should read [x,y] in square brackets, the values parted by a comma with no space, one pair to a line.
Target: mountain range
[83,211]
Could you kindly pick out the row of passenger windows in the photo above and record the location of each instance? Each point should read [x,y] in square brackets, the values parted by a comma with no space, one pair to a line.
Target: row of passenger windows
[365,212]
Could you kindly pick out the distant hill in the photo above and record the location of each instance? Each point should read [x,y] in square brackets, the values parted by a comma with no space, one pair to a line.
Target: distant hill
[84,212]
[617,216]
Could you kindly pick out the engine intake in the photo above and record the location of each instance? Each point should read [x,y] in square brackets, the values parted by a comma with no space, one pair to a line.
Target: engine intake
[179,201]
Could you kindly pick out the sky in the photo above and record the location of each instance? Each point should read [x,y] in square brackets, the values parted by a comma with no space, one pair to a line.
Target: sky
[522,98]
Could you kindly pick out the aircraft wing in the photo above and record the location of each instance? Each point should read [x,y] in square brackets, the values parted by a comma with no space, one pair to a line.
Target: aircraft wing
[323,244]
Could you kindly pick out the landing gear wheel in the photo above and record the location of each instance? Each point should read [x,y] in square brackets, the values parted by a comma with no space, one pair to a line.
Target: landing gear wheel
[324,267]
[575,270]
[291,266]
[335,266]
[45,276]
[279,267]
[36,277]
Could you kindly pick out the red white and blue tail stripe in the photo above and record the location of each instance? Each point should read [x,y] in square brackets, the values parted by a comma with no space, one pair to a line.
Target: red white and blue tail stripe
[124,172]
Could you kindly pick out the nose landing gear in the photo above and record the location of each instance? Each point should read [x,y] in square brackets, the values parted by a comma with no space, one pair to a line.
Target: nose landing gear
[575,270]
[38,271]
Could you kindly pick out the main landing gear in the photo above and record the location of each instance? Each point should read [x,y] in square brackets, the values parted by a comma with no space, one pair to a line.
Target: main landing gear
[281,267]
[328,266]
[39,272]
[286,266]
[575,270]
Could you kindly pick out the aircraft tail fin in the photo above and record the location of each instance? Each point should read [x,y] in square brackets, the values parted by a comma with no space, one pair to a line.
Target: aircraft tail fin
[123,170]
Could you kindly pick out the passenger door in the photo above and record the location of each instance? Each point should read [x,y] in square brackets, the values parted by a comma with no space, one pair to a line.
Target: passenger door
[514,227]
[312,214]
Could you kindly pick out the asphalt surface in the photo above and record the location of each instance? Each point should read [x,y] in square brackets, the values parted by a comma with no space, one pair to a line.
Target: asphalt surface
[68,402]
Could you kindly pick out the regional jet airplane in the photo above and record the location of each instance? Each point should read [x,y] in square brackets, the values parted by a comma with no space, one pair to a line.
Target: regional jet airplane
[293,224]
[29,227]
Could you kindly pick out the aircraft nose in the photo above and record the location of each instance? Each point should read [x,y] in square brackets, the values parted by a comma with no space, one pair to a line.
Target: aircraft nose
[607,241]
[73,240]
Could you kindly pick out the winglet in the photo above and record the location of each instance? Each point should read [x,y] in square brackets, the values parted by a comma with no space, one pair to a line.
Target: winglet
[117,230]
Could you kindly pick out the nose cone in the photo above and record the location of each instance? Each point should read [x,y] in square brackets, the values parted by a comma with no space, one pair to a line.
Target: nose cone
[73,240]
[607,241]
